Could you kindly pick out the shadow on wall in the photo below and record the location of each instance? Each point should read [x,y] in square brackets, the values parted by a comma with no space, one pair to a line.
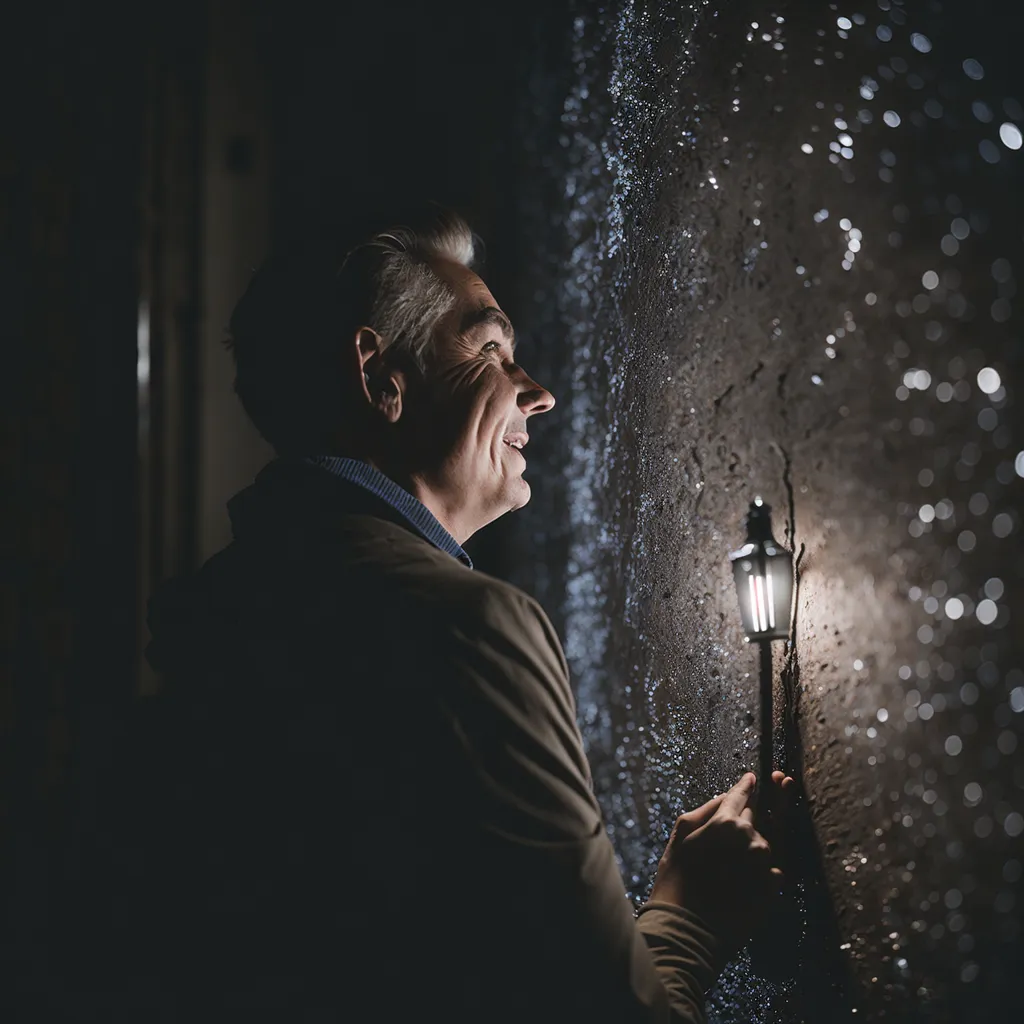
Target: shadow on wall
[793,236]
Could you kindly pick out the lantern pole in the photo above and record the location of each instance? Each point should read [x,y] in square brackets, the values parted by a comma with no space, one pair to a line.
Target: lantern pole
[766,751]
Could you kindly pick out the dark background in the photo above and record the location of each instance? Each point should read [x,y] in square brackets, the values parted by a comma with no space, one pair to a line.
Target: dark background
[152,155]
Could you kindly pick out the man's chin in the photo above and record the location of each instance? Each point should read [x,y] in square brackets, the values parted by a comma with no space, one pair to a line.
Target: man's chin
[522,495]
[515,496]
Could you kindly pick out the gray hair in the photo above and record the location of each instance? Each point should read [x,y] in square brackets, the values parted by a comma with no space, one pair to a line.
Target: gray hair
[301,306]
[409,298]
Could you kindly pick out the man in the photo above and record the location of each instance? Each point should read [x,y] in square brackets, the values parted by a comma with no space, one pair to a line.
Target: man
[376,803]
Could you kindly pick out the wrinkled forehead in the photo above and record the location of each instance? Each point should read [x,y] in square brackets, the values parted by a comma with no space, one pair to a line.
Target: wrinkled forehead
[471,294]
[474,307]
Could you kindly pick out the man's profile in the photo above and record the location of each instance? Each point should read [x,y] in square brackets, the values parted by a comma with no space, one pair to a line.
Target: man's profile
[373,801]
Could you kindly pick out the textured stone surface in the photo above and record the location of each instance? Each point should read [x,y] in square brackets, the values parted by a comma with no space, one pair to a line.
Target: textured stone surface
[727,337]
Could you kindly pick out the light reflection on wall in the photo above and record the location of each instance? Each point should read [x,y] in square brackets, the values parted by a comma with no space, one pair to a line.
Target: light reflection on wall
[793,236]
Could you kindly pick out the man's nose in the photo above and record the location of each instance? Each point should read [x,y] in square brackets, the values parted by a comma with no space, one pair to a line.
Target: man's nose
[532,397]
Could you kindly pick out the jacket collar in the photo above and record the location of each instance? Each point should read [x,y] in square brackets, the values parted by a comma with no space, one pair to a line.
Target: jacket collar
[311,493]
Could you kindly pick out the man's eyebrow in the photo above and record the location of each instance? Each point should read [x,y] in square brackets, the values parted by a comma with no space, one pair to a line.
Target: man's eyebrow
[489,315]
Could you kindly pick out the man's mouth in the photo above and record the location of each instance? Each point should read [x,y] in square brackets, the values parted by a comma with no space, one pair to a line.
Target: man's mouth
[517,440]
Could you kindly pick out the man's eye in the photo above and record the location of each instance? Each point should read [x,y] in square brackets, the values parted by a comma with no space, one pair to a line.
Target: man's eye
[487,347]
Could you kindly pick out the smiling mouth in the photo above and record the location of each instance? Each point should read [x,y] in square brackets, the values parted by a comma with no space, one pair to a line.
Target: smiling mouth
[517,440]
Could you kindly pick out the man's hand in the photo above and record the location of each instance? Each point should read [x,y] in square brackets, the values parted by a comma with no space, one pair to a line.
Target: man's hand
[719,866]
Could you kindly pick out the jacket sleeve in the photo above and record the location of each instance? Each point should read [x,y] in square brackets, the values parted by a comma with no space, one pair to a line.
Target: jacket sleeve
[509,702]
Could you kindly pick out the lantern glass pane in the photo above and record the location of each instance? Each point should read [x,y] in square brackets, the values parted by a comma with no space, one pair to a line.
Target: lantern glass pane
[779,572]
[745,590]
[760,609]
[764,586]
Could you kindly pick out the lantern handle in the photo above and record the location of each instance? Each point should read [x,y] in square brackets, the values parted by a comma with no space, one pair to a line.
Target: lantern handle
[759,523]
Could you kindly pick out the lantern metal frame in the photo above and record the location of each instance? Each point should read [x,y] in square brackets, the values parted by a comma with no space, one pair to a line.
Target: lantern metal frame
[763,573]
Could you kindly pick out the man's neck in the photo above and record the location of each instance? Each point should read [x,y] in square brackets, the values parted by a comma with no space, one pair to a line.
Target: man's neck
[447,516]
[417,485]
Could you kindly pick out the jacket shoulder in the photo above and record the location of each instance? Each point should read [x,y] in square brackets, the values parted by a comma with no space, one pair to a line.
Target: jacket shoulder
[421,570]
[458,602]
[475,602]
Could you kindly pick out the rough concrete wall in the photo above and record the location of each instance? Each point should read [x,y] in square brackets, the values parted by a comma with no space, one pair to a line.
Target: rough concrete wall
[785,261]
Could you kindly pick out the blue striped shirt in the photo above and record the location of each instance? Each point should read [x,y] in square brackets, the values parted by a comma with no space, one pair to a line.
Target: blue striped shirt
[414,512]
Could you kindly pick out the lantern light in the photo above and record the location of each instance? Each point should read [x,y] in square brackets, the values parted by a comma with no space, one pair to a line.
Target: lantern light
[763,571]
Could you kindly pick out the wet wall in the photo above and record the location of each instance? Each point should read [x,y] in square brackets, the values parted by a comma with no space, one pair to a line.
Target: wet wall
[777,256]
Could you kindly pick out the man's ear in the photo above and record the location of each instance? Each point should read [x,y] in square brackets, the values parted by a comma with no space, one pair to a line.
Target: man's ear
[368,346]
[382,385]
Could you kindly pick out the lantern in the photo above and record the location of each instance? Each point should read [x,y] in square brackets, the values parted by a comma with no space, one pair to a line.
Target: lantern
[763,571]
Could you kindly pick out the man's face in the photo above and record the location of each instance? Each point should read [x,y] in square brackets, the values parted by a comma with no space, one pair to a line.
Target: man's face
[467,419]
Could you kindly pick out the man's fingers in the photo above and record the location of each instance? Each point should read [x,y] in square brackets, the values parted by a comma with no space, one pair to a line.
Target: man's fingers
[775,881]
[692,820]
[747,814]
[739,796]
[784,791]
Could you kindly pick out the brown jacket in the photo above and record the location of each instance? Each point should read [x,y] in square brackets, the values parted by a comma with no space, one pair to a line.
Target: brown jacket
[379,801]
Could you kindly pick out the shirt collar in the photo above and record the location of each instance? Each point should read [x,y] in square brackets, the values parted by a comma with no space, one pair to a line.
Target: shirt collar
[414,512]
